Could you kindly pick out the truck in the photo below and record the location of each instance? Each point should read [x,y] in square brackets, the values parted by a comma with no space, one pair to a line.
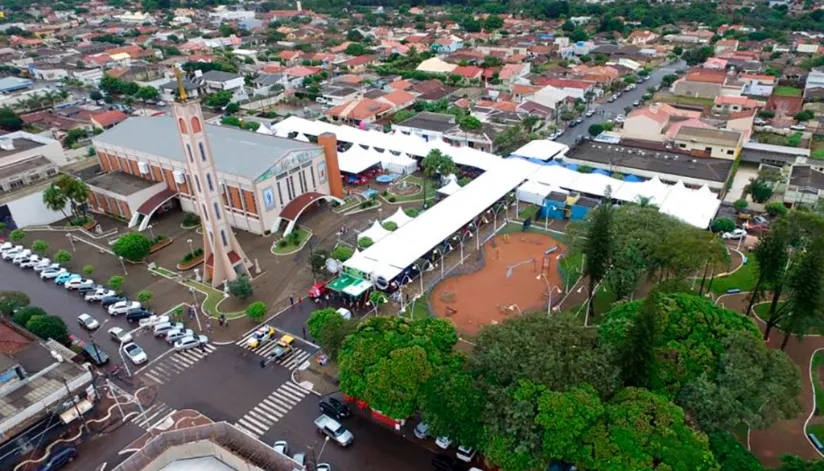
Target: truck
[334,430]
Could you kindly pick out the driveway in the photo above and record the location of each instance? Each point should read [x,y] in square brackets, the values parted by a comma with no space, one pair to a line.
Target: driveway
[611,110]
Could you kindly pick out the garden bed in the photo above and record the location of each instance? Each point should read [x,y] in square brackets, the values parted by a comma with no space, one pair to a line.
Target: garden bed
[191,264]
[161,243]
[292,243]
[408,190]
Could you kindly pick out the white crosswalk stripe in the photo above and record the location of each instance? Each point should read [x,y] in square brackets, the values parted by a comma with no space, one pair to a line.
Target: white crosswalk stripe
[152,415]
[271,409]
[175,363]
[292,360]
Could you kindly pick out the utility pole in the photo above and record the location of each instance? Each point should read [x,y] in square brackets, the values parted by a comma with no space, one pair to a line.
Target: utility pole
[74,403]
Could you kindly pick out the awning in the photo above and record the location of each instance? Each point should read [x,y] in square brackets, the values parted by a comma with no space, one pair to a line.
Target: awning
[69,415]
[350,285]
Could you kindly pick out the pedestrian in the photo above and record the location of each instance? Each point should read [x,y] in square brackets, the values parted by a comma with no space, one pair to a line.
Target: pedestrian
[327,298]
[291,300]
[304,331]
[208,326]
[203,347]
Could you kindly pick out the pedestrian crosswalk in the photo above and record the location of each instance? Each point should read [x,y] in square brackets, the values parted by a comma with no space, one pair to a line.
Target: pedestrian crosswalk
[264,415]
[152,415]
[174,363]
[291,360]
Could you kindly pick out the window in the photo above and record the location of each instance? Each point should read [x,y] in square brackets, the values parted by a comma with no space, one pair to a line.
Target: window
[205,213]
[730,152]
[51,172]
[302,182]
[223,237]
[211,237]
[314,183]
[191,157]
[683,146]
[290,185]
[196,125]
[202,152]
[280,194]
[182,125]
[197,183]
[17,183]
[708,150]
[217,210]
[209,182]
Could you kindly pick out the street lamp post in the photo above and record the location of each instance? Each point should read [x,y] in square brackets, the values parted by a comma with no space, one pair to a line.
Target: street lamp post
[549,290]
[191,248]
[123,264]
[194,307]
[71,241]
[151,232]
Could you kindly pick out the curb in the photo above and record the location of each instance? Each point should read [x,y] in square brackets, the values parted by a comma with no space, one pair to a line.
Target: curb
[293,380]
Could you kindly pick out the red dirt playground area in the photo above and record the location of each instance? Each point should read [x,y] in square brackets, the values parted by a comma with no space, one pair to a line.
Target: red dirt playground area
[487,296]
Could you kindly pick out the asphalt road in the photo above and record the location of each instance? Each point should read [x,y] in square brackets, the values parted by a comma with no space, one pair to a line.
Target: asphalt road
[58,301]
[611,110]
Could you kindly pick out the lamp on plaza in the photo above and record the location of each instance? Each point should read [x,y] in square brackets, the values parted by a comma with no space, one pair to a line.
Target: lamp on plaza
[123,264]
[151,232]
[71,241]
[549,290]
[191,248]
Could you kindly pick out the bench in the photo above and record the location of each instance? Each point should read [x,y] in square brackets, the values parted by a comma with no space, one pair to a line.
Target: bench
[815,441]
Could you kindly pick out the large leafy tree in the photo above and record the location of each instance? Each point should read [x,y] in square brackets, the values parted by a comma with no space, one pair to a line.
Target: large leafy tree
[49,327]
[452,404]
[11,300]
[437,163]
[55,200]
[9,120]
[805,306]
[133,246]
[329,329]
[772,255]
[637,355]
[387,361]
[598,247]
[566,418]
[731,454]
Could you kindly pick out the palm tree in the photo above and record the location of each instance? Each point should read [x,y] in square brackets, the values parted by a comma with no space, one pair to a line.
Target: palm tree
[55,200]
[49,97]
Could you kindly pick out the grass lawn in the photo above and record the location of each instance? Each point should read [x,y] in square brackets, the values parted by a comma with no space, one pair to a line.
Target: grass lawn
[352,203]
[792,140]
[531,212]
[420,309]
[817,429]
[165,272]
[294,245]
[817,150]
[743,279]
[685,100]
[603,303]
[783,90]
[818,361]
[430,191]
[213,298]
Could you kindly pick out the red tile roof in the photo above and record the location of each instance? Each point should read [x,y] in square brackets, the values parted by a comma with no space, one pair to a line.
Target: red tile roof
[110,118]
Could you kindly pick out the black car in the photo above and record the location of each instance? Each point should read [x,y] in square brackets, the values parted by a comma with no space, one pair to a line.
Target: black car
[109,300]
[85,289]
[334,408]
[134,315]
[59,459]
[95,355]
[448,463]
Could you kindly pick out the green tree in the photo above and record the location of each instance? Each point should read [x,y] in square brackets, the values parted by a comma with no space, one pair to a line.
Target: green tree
[578,35]
[145,297]
[626,272]
[116,283]
[11,300]
[566,418]
[9,120]
[241,287]
[218,99]
[55,200]
[722,224]
[731,454]
[256,311]
[24,315]
[806,281]
[493,22]
[805,115]
[771,254]
[147,93]
[595,129]
[469,123]
[49,327]
[356,49]
[329,329]
[88,270]
[39,247]
[396,381]
[133,247]
[760,190]
[450,404]
[637,355]
[17,235]
[598,248]
[668,80]
[62,257]
[436,163]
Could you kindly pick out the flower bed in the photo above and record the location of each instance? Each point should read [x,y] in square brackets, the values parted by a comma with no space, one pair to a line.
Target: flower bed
[160,242]
[191,260]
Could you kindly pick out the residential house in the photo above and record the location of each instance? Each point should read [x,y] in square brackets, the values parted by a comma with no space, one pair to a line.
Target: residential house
[815,82]
[447,45]
[216,80]
[785,106]
[733,104]
[360,112]
[295,75]
[108,119]
[263,83]
[760,85]
[426,125]
[805,186]
[334,95]
[469,72]
[700,83]
[169,90]
[642,38]
[513,73]
[290,57]
[557,90]
[436,65]
[359,64]
[726,45]
[717,143]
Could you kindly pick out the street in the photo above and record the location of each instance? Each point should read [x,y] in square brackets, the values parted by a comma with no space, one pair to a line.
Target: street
[607,111]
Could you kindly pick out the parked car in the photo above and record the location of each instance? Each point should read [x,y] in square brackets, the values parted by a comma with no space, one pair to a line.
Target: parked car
[30,262]
[798,127]
[422,430]
[160,330]
[334,408]
[334,430]
[135,353]
[120,335]
[447,463]
[153,320]
[174,335]
[136,315]
[465,453]
[283,347]
[5,246]
[123,306]
[734,235]
[77,283]
[22,256]
[10,252]
[46,264]
[99,294]
[589,113]
[87,322]
[191,342]
[51,273]
[443,442]
[323,467]
[95,354]
[636,103]
[281,447]
[620,119]
[89,289]
[63,278]
[59,459]
[111,300]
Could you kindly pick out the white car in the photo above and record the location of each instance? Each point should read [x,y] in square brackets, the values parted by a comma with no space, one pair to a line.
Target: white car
[5,246]
[77,283]
[345,313]
[589,113]
[160,330]
[120,335]
[281,447]
[174,335]
[24,255]
[9,254]
[123,306]
[45,263]
[51,273]
[152,320]
[798,127]
[30,262]
[734,235]
[443,442]
[87,322]
[191,342]
[97,295]
[323,467]
[135,353]
[465,453]
[620,119]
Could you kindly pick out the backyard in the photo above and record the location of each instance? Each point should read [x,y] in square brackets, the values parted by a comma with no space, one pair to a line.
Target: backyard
[783,90]
[792,140]
[817,150]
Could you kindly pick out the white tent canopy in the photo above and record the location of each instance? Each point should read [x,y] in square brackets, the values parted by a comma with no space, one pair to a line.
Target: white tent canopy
[695,207]
[542,149]
[401,164]
[400,218]
[533,192]
[450,188]
[653,190]
[376,232]
[356,160]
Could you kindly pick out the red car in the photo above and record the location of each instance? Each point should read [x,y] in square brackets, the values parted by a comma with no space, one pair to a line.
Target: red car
[318,289]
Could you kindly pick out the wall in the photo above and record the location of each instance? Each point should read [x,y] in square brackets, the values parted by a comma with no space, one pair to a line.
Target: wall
[52,149]
[29,210]
[716,151]
[697,89]
[641,127]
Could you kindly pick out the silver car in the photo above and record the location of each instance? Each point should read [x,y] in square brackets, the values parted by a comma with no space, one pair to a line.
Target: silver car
[174,335]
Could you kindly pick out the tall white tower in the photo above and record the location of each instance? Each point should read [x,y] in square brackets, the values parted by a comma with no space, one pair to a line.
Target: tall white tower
[224,257]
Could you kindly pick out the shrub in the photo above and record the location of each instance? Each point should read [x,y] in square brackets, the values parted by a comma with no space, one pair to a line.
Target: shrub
[241,287]
[365,242]
[17,235]
[342,253]
[411,212]
[116,283]
[741,204]
[145,296]
[160,238]
[760,191]
[49,327]
[11,300]
[191,256]
[191,219]
[39,247]
[88,270]
[390,225]
[777,208]
[62,257]
[365,204]
[282,243]
[24,315]
[293,238]
[585,169]
[723,225]
[392,199]
[133,247]
[256,311]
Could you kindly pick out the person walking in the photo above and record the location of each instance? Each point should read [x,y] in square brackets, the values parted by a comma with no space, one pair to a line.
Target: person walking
[291,300]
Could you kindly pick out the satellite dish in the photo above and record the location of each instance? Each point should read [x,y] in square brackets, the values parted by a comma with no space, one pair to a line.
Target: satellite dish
[332,265]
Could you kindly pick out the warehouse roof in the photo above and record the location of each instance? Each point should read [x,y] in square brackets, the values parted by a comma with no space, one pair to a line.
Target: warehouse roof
[237,152]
